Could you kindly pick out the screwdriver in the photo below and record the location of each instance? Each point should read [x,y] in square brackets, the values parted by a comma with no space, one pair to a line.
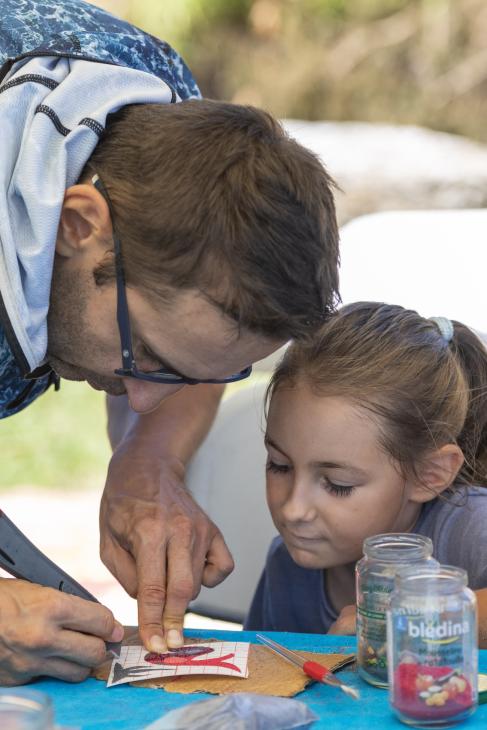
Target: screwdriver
[312,669]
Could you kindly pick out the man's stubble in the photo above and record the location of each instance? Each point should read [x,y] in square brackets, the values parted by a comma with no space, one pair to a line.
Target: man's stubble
[71,343]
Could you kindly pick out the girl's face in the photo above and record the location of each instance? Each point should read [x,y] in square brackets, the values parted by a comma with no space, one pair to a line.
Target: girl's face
[329,483]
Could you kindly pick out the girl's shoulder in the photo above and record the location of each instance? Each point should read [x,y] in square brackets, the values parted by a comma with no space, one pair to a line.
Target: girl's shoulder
[456,524]
[457,502]
[458,508]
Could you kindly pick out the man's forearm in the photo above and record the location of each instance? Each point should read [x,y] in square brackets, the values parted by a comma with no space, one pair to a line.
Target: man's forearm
[176,428]
[154,538]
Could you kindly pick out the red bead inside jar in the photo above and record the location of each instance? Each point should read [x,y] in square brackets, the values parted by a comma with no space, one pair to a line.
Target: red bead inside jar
[422,692]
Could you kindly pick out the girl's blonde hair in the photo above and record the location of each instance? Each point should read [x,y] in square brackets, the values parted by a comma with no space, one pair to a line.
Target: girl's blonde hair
[425,390]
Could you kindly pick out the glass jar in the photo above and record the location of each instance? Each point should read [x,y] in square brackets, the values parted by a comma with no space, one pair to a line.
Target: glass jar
[432,647]
[24,709]
[375,572]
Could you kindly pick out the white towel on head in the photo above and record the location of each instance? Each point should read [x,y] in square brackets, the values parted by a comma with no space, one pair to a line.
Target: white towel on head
[42,154]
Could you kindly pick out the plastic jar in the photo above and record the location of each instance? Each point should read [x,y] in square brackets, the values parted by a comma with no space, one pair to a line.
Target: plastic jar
[432,646]
[23,709]
[375,572]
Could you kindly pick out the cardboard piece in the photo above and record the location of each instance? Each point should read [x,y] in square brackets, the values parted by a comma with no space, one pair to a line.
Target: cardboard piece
[269,674]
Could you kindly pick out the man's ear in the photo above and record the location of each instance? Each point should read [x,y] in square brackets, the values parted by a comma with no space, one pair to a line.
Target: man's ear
[437,471]
[85,221]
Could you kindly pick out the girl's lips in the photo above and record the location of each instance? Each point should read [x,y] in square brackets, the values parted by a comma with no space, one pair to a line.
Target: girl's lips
[304,538]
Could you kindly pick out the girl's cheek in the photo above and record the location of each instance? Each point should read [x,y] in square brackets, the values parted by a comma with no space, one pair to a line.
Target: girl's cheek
[270,493]
[344,518]
[276,494]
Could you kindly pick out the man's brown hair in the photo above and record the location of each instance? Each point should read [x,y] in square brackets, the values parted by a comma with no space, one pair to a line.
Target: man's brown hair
[423,390]
[216,197]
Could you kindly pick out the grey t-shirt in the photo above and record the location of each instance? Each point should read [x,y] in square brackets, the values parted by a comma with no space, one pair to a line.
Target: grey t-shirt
[291,598]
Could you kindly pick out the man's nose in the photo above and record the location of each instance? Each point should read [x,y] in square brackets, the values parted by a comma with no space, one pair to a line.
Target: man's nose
[299,506]
[144,397]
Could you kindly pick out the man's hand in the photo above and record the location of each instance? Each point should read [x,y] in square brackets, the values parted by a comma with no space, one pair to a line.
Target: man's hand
[44,632]
[157,541]
[346,622]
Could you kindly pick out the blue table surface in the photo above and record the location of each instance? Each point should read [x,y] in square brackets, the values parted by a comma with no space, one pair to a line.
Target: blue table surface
[90,705]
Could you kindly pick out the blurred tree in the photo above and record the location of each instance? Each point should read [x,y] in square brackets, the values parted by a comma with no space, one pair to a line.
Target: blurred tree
[401,61]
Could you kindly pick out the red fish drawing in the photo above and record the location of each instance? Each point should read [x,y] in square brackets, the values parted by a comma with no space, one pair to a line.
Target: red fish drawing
[185,657]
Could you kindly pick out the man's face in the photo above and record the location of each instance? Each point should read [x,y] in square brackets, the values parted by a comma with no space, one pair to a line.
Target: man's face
[190,336]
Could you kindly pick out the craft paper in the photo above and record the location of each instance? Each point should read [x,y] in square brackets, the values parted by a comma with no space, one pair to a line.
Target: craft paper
[220,658]
[268,673]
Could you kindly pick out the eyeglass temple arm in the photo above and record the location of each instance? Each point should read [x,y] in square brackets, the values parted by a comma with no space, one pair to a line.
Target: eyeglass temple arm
[122,306]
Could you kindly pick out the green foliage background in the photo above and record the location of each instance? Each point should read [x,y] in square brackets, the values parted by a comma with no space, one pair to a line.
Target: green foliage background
[401,61]
[59,441]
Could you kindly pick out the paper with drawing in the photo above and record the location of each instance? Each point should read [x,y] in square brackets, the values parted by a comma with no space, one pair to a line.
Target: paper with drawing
[216,658]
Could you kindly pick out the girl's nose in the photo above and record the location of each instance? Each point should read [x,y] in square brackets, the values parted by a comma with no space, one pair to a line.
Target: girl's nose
[144,397]
[299,507]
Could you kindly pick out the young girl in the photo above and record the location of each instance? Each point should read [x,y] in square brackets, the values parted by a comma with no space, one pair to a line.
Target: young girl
[378,425]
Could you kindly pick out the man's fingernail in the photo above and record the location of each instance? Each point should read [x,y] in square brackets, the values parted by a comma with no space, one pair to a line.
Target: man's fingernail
[174,638]
[157,644]
[117,633]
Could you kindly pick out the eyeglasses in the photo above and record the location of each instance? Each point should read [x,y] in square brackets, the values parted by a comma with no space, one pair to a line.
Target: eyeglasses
[129,368]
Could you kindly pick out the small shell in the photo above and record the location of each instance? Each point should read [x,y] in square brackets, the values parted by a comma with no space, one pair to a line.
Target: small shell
[437,700]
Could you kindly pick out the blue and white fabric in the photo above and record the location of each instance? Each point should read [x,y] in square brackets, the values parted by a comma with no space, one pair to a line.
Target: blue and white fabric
[66,67]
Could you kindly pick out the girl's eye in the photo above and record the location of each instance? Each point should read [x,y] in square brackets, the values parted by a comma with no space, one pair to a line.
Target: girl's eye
[338,490]
[277,468]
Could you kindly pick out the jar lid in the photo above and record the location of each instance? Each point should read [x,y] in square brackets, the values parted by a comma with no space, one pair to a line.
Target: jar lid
[396,546]
[20,706]
[431,577]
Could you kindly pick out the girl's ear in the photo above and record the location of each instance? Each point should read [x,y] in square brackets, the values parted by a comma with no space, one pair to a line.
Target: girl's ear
[437,472]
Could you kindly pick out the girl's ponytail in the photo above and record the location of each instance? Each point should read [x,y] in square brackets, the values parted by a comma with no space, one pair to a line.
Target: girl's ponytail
[471,353]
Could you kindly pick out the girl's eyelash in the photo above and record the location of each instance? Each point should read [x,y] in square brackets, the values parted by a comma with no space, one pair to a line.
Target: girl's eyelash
[337,489]
[277,468]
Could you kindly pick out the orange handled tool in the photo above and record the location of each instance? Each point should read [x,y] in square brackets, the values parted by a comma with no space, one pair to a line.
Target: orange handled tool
[312,669]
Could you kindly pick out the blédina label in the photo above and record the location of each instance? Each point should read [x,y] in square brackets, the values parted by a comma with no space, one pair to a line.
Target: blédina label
[439,632]
[433,638]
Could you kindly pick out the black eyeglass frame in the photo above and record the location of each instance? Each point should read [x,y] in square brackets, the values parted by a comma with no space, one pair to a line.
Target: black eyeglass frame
[129,367]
